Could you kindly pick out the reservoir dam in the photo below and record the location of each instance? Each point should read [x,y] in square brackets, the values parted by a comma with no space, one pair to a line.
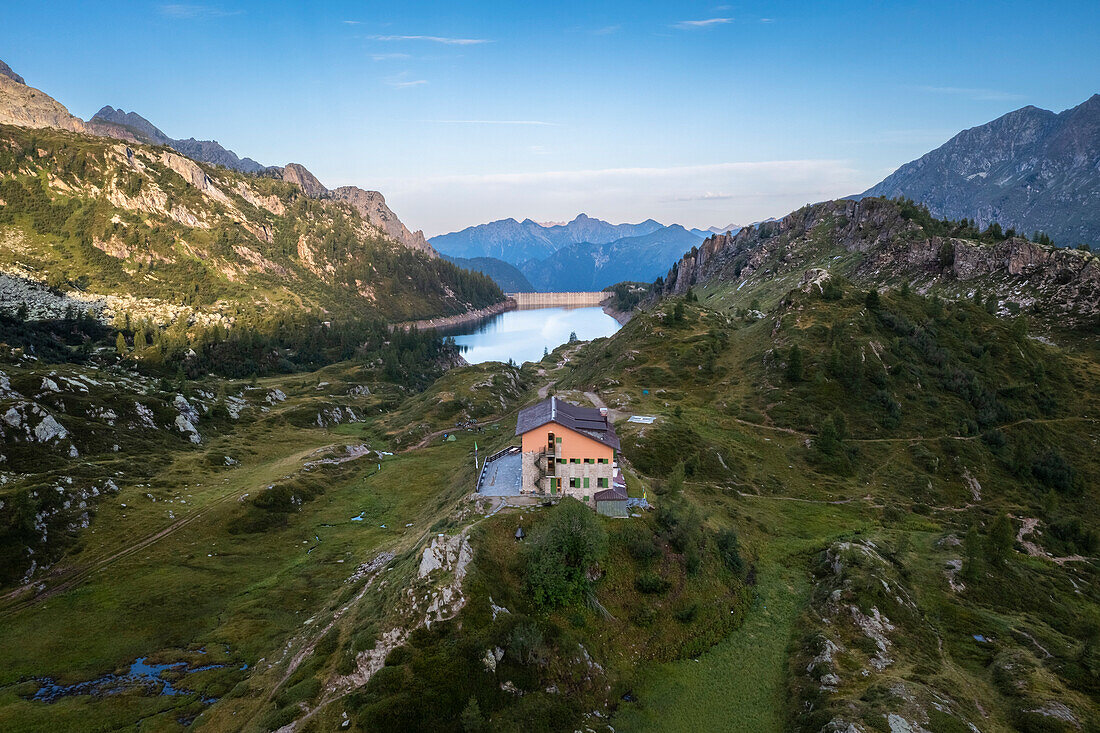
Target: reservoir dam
[527,301]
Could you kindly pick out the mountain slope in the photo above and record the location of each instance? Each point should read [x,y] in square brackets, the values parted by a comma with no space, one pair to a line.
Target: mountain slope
[892,243]
[517,242]
[1032,170]
[508,277]
[588,266]
[904,475]
[124,228]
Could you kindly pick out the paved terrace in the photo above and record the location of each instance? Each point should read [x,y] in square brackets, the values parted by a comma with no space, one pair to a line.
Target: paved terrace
[502,476]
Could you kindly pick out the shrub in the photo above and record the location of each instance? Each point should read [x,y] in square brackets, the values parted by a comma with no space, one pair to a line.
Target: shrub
[651,583]
[1052,469]
[641,545]
[525,644]
[729,550]
[560,553]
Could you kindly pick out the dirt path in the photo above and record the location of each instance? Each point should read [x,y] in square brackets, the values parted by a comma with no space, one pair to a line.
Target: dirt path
[916,438]
[427,439]
[596,400]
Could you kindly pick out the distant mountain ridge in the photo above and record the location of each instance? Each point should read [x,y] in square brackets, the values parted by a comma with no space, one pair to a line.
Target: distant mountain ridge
[131,126]
[583,254]
[1031,170]
[519,241]
[587,266]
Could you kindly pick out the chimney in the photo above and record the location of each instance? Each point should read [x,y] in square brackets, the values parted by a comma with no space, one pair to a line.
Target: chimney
[603,411]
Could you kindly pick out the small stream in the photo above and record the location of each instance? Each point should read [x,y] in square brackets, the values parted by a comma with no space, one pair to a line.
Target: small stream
[142,675]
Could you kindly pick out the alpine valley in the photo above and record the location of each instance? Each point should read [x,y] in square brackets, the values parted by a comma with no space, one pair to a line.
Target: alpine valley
[859,448]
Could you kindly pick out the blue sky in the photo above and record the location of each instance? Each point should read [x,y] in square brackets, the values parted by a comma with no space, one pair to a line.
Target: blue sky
[701,113]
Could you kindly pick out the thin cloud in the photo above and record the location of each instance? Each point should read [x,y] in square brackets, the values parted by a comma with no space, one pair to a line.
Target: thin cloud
[535,123]
[708,196]
[435,39]
[404,80]
[196,12]
[732,191]
[607,30]
[782,171]
[688,25]
[351,22]
[975,93]
[389,56]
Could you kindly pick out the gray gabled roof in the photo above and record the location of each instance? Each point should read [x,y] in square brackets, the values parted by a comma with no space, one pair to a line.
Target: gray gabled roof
[610,495]
[585,420]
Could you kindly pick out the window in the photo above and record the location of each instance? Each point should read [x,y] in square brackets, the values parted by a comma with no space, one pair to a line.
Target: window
[557,440]
[602,460]
[601,483]
[589,460]
[562,460]
[586,483]
[586,498]
[574,460]
[573,483]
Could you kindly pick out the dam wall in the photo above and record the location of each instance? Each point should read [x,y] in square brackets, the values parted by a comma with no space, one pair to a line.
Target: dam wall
[558,300]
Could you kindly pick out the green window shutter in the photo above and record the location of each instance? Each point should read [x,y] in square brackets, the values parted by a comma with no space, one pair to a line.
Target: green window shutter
[557,440]
[586,483]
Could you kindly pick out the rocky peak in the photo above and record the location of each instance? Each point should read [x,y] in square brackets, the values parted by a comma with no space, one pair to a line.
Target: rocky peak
[1030,169]
[26,106]
[5,70]
[141,128]
[371,205]
[297,174]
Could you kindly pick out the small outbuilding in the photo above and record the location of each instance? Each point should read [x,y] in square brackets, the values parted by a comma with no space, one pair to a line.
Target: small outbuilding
[611,503]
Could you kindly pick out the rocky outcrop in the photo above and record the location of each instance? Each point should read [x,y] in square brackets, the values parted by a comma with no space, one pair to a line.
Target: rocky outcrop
[211,151]
[195,175]
[894,248]
[298,175]
[371,205]
[28,107]
[5,70]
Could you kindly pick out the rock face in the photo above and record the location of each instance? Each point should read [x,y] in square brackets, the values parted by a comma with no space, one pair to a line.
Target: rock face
[1058,283]
[28,107]
[5,70]
[132,127]
[297,174]
[1030,170]
[371,205]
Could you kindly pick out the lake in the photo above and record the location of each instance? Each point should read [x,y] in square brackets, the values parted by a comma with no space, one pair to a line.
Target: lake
[521,335]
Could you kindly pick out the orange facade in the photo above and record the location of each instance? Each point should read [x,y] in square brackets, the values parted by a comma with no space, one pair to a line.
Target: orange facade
[572,445]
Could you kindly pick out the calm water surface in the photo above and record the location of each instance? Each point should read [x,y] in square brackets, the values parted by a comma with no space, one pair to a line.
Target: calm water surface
[522,335]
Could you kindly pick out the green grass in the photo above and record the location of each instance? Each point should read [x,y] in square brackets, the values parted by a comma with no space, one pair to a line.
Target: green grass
[746,438]
[739,685]
[238,595]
